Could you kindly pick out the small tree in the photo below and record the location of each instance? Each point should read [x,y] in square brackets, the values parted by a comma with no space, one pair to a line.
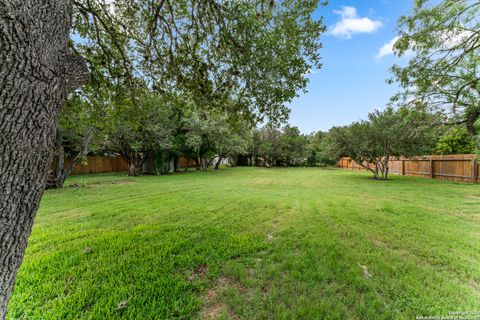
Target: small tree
[237,139]
[293,144]
[317,150]
[371,144]
[77,129]
[355,141]
[202,130]
[269,144]
[276,146]
[136,127]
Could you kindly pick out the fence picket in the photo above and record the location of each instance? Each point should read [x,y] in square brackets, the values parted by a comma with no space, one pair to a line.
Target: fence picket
[97,164]
[461,167]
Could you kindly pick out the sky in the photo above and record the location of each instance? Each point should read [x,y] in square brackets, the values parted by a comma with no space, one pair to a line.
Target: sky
[356,57]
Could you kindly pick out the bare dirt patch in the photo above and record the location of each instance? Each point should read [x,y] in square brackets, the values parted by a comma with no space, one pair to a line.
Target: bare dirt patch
[106,183]
[94,184]
[213,311]
[473,199]
[379,242]
[213,306]
[269,237]
[199,272]
[366,272]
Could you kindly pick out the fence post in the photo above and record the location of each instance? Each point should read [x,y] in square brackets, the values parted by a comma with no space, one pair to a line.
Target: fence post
[432,168]
[403,167]
[474,170]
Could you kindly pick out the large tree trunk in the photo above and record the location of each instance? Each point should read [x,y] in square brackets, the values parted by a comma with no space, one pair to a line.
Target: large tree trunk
[36,73]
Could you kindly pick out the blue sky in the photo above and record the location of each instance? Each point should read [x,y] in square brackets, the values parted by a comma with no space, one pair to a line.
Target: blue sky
[351,82]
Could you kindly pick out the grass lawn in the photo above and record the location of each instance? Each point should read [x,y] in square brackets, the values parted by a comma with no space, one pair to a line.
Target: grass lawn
[252,243]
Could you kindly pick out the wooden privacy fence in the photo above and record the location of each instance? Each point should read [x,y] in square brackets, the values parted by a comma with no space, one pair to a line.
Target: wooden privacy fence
[185,162]
[99,164]
[459,167]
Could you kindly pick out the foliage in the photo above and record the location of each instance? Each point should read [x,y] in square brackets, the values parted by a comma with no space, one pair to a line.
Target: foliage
[78,115]
[210,135]
[293,146]
[318,150]
[230,61]
[443,73]
[237,139]
[269,144]
[276,146]
[255,53]
[273,145]
[77,134]
[136,128]
[404,132]
[165,244]
[457,140]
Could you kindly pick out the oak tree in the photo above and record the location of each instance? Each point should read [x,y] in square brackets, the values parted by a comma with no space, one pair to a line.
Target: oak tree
[256,52]
[37,72]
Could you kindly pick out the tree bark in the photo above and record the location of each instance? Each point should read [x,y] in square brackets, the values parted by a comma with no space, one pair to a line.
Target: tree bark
[201,162]
[134,162]
[62,173]
[472,117]
[134,158]
[368,168]
[386,168]
[219,161]
[37,71]
[53,180]
[209,162]
[197,164]
[175,164]
[375,171]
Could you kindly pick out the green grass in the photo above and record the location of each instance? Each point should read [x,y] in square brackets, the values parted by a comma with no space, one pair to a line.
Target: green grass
[252,243]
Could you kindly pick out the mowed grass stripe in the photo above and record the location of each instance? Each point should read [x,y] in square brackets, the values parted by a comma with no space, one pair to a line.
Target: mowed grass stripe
[252,243]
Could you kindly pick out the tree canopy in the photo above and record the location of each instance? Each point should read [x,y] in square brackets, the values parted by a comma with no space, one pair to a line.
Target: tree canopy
[442,40]
[253,53]
[389,133]
[455,141]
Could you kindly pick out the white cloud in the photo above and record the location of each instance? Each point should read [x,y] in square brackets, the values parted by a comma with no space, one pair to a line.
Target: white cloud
[448,40]
[387,48]
[110,4]
[351,23]
[454,38]
[310,72]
